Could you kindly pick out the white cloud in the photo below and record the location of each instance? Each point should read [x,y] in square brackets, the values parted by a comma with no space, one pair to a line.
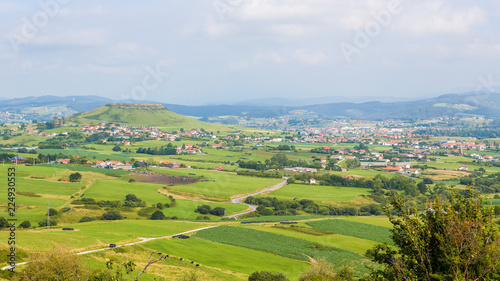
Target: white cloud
[289,29]
[310,57]
[272,57]
[72,37]
[438,17]
[262,10]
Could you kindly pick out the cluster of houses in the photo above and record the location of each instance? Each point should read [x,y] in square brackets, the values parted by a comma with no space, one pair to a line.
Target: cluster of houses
[462,145]
[126,132]
[301,170]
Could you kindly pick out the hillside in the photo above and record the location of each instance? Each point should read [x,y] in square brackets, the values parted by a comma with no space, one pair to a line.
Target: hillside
[138,115]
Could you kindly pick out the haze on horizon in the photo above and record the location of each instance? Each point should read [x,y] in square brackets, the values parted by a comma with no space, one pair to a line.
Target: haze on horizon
[226,51]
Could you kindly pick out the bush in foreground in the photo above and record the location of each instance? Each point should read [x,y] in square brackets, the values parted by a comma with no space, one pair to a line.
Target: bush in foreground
[55,264]
[454,239]
[267,276]
[321,270]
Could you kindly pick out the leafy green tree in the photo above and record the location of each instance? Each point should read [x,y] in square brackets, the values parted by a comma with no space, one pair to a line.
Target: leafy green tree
[203,209]
[428,181]
[218,211]
[352,163]
[75,177]
[267,276]
[3,222]
[422,187]
[132,198]
[157,215]
[44,223]
[117,148]
[112,215]
[86,219]
[454,239]
[279,158]
[25,224]
[52,212]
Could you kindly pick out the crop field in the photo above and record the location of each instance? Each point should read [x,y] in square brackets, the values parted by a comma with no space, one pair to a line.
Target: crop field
[285,246]
[318,193]
[349,243]
[356,229]
[373,220]
[242,260]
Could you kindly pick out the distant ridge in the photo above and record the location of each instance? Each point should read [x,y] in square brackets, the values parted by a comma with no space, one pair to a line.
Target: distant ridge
[451,105]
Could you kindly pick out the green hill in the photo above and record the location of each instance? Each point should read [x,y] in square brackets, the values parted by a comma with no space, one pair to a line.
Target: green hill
[140,115]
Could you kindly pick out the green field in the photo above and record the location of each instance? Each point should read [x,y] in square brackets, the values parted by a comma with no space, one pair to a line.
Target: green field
[242,260]
[285,246]
[355,229]
[118,189]
[318,193]
[219,184]
[374,220]
[98,234]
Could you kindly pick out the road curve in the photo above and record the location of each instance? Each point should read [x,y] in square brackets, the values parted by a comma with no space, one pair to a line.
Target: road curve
[143,240]
[238,200]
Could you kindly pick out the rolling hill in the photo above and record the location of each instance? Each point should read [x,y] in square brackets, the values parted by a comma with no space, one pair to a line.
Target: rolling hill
[138,115]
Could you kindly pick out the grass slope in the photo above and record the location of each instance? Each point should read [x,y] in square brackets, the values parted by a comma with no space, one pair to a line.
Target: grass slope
[138,115]
[228,257]
[319,193]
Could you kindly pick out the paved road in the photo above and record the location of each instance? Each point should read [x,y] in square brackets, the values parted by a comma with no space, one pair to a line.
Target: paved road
[143,240]
[238,200]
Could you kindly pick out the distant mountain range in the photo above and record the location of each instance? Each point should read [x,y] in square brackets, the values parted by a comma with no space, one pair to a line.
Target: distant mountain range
[463,104]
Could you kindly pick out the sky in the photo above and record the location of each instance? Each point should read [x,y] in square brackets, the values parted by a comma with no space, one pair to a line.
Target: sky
[197,52]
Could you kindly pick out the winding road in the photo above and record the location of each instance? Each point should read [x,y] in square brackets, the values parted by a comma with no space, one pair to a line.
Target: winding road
[238,200]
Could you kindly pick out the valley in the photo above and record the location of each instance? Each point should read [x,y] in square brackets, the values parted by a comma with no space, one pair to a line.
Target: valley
[134,175]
